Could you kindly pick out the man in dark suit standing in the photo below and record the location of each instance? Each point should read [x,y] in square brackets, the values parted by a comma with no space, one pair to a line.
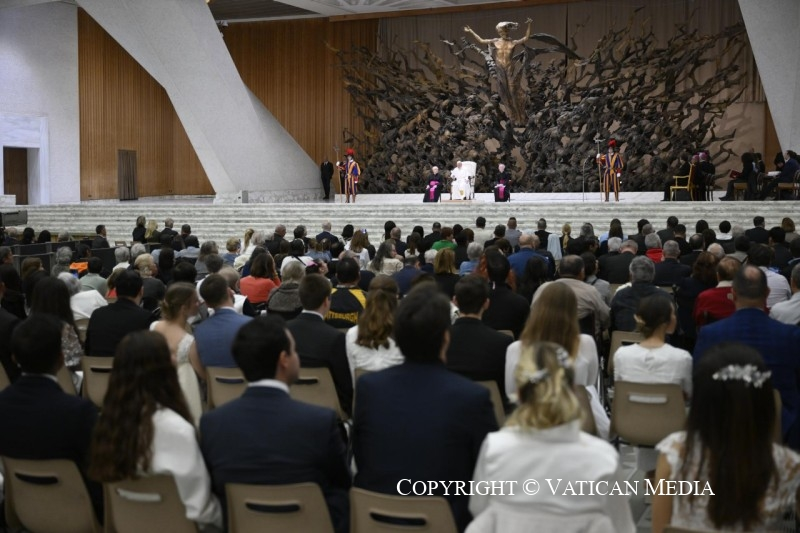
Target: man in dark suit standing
[319,344]
[758,233]
[476,351]
[432,237]
[326,173]
[326,234]
[776,342]
[266,438]
[418,420]
[38,420]
[100,240]
[109,324]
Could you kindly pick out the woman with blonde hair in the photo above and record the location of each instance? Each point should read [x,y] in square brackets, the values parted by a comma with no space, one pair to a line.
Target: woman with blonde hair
[152,234]
[445,272]
[554,318]
[566,239]
[542,444]
[181,303]
[370,345]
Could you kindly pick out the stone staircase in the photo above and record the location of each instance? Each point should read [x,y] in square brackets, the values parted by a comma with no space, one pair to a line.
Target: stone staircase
[220,222]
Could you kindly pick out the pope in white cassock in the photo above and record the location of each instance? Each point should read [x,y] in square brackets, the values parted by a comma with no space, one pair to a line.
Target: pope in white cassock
[459,186]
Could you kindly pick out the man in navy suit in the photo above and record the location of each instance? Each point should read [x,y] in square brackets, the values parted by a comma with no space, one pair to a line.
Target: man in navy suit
[778,344]
[319,344]
[214,336]
[406,275]
[419,421]
[266,438]
[38,420]
[109,324]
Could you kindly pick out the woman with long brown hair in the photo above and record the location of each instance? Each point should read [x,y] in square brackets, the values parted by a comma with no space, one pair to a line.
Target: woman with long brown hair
[370,344]
[145,427]
[262,279]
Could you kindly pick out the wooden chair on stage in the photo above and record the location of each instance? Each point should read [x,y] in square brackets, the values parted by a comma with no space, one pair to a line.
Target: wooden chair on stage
[683,183]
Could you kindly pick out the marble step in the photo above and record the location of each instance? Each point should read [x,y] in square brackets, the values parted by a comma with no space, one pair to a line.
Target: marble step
[219,221]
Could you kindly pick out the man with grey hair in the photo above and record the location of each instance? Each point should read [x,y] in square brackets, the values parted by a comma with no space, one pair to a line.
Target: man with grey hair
[615,269]
[396,234]
[788,311]
[626,299]
[670,271]
[653,245]
[168,223]
[273,245]
[136,250]
[82,303]
[512,233]
[716,250]
[474,252]
[122,256]
[63,260]
[326,233]
[572,274]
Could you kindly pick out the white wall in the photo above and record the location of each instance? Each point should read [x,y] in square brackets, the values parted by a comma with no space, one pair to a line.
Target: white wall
[39,91]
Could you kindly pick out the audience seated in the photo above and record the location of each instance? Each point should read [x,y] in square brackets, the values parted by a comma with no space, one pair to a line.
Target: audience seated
[788,311]
[264,437]
[727,446]
[626,299]
[418,420]
[407,274]
[262,280]
[38,420]
[51,296]
[445,272]
[347,300]
[285,300]
[92,280]
[776,343]
[615,269]
[214,336]
[507,310]
[716,303]
[758,233]
[7,324]
[319,344]
[760,255]
[109,324]
[572,274]
[542,440]
[476,351]
[703,277]
[670,271]
[369,344]
[146,428]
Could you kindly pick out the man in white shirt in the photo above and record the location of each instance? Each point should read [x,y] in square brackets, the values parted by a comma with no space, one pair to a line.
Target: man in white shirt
[788,311]
[779,291]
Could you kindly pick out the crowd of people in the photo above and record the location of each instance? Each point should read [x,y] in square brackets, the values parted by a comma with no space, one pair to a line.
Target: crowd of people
[406,327]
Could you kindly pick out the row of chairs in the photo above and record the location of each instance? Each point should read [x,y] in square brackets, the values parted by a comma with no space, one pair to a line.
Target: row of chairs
[152,503]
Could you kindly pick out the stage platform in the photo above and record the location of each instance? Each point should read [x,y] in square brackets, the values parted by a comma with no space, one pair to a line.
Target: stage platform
[222,221]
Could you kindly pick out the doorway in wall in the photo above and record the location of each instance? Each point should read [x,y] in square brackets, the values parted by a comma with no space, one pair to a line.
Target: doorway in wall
[15,173]
[126,175]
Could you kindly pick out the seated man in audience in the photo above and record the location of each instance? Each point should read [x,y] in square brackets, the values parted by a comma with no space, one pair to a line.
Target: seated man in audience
[214,336]
[760,255]
[507,309]
[405,276]
[38,420]
[267,438]
[418,420]
[476,351]
[572,273]
[319,344]
[8,322]
[615,269]
[788,311]
[122,256]
[528,248]
[670,271]
[81,303]
[717,303]
[776,342]
[590,265]
[696,245]
[626,299]
[109,324]
[741,246]
[347,300]
[93,281]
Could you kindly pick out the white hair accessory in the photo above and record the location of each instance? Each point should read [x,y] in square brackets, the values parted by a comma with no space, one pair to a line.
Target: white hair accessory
[749,374]
[562,356]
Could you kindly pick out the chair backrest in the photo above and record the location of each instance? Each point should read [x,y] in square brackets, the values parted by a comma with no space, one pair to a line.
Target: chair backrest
[64,377]
[47,496]
[497,400]
[149,503]
[82,324]
[371,512]
[643,414]
[96,371]
[107,256]
[619,339]
[224,385]
[256,508]
[588,424]
[4,380]
[315,386]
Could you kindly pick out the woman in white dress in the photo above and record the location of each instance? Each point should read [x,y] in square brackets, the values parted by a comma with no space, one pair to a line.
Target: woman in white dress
[728,446]
[554,318]
[653,360]
[145,428]
[180,303]
[370,345]
[542,441]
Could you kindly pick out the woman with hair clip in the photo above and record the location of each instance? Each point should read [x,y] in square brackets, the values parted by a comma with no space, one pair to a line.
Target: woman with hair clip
[370,344]
[543,451]
[181,303]
[145,428]
[554,318]
[728,449]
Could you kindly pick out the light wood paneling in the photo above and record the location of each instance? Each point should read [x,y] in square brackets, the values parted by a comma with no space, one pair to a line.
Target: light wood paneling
[292,70]
[122,107]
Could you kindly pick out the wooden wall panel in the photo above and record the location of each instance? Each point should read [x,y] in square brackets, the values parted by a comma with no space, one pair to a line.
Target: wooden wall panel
[122,107]
[288,65]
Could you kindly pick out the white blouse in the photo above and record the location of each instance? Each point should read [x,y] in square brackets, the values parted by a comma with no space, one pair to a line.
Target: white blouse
[177,452]
[362,357]
[563,455]
[666,364]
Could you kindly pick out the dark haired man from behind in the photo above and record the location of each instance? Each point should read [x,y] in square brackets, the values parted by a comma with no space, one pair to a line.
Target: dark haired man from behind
[100,240]
[214,336]
[109,324]
[38,420]
[267,438]
[776,342]
[436,430]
